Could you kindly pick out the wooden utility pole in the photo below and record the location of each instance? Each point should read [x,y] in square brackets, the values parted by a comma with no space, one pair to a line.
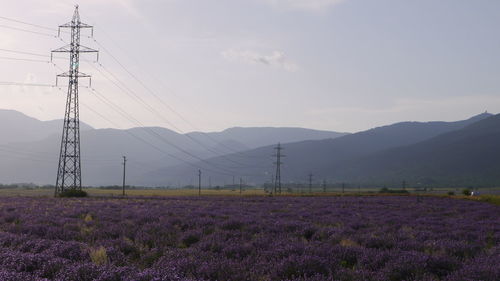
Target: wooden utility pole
[241,185]
[199,182]
[124,169]
[310,182]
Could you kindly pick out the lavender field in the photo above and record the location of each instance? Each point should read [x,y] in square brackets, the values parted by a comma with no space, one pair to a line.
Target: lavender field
[254,238]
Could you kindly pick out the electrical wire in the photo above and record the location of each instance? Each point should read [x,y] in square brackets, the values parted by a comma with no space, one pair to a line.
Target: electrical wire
[28,31]
[153,133]
[21,59]
[132,94]
[131,74]
[7,83]
[151,109]
[165,104]
[25,53]
[148,143]
[27,23]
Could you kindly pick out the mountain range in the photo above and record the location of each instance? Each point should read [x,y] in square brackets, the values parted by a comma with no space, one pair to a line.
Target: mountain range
[29,148]
[421,153]
[375,156]
[17,127]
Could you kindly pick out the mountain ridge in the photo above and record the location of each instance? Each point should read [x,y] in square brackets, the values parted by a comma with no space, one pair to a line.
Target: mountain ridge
[102,151]
[325,156]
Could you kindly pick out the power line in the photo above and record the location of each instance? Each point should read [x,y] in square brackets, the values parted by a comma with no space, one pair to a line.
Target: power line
[7,83]
[163,103]
[39,155]
[143,85]
[135,77]
[125,115]
[27,23]
[28,31]
[153,133]
[25,53]
[22,59]
[124,88]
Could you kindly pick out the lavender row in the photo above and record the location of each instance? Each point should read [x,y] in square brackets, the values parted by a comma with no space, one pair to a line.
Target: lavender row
[256,238]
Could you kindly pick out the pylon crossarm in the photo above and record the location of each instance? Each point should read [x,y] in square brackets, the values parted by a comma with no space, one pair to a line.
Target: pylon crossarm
[68,74]
[84,49]
[68,49]
[65,49]
[77,25]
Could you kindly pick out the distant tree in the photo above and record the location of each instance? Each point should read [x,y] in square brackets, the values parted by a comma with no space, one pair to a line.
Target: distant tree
[73,193]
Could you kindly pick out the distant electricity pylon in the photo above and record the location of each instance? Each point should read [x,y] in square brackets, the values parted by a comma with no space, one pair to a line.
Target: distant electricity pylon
[277,181]
[69,174]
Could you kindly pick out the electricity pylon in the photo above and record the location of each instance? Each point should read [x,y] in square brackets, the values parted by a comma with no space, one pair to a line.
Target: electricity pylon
[69,174]
[277,181]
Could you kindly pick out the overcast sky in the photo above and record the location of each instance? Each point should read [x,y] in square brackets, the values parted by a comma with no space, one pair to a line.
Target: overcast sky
[342,65]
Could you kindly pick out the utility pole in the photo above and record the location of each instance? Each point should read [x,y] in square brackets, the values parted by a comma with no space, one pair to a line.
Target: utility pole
[199,182]
[210,182]
[69,175]
[324,185]
[404,185]
[277,181]
[124,165]
[310,182]
[343,187]
[241,185]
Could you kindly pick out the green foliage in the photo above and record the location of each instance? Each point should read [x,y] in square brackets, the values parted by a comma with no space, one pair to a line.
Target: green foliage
[73,193]
[493,199]
[466,192]
[387,190]
[451,193]
[190,240]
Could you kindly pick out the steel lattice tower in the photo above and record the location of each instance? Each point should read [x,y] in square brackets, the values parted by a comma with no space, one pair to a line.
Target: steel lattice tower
[69,174]
[277,182]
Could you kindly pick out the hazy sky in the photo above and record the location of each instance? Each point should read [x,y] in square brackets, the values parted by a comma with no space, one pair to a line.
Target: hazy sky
[343,65]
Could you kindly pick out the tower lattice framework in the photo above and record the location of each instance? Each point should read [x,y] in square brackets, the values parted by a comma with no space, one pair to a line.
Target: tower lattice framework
[69,174]
[278,163]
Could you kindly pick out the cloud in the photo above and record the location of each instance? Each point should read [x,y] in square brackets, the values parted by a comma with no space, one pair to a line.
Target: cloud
[275,59]
[311,5]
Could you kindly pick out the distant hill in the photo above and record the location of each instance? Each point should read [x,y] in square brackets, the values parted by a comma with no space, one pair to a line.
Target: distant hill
[428,153]
[253,137]
[324,158]
[470,156]
[29,148]
[17,127]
